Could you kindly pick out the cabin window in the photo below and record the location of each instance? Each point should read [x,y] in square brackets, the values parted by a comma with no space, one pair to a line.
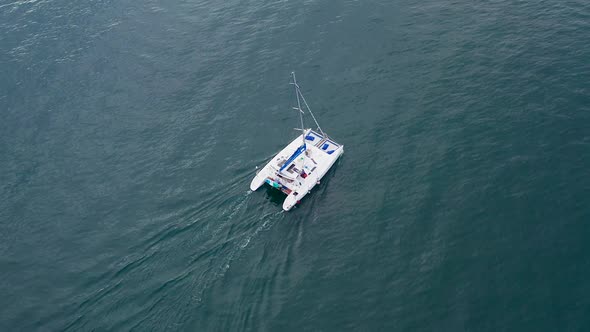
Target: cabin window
[291,168]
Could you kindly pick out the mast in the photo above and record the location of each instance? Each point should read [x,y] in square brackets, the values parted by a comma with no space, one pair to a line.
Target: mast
[299,108]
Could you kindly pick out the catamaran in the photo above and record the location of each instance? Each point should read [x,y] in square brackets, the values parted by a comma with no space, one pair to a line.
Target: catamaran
[300,166]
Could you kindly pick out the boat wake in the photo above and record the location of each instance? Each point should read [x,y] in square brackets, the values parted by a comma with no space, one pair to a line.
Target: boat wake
[211,239]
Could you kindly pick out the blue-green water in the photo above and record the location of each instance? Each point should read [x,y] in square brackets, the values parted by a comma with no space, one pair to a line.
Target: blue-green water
[130,131]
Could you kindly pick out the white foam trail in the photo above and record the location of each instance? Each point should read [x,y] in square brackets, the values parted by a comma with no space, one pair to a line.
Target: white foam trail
[233,211]
[242,245]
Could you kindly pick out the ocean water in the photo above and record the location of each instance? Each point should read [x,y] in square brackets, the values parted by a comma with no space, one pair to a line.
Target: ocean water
[130,131]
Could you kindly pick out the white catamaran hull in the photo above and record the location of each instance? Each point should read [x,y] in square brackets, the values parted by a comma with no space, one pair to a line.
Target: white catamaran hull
[302,174]
[301,165]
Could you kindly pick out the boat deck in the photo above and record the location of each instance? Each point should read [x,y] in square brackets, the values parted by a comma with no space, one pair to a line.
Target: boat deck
[302,173]
[323,143]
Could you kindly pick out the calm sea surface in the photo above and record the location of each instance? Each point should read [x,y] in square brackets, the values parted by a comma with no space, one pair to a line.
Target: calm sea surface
[130,131]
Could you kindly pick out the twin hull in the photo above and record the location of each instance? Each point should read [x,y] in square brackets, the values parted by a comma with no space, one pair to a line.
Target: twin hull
[321,153]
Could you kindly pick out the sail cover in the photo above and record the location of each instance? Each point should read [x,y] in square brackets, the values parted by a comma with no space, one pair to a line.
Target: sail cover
[293,157]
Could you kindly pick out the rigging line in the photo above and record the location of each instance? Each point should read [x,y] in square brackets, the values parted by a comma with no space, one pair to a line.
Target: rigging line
[309,109]
[299,107]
